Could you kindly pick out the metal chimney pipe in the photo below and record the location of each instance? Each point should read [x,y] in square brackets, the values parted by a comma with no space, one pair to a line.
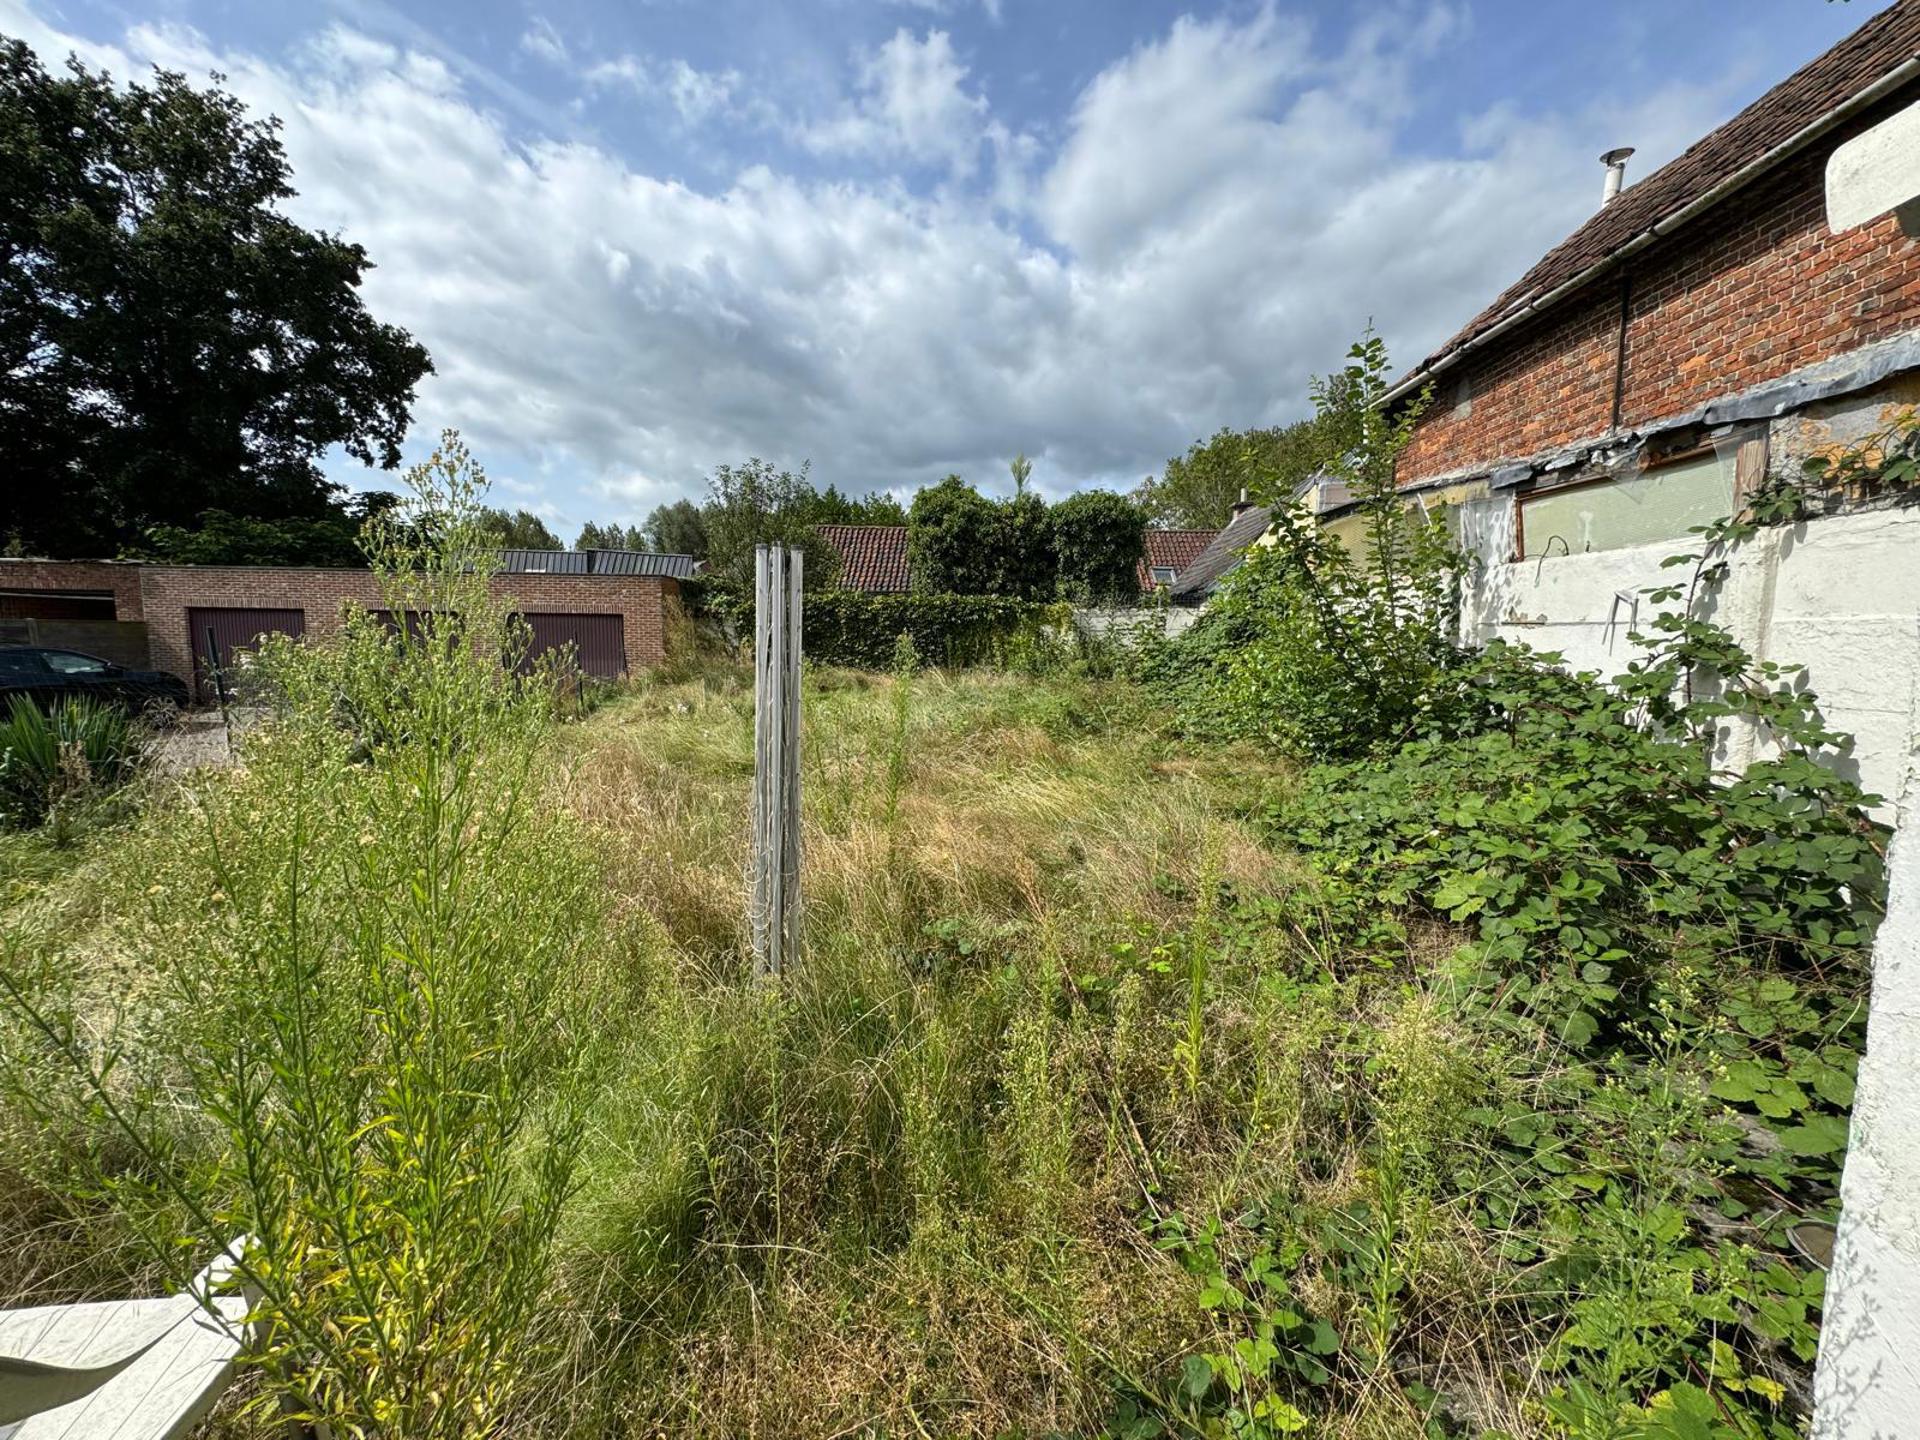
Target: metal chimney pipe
[1616,163]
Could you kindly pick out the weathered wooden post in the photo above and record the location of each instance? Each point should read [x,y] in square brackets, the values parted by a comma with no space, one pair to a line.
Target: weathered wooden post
[774,862]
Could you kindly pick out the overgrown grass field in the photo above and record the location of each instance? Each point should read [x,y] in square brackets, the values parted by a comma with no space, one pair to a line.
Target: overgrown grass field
[1489,1083]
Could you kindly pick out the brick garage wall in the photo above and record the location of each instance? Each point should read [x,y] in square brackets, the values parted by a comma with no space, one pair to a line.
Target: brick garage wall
[169,591]
[120,580]
[1750,291]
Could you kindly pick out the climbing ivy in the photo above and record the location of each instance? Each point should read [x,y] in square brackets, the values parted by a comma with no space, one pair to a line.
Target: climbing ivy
[848,627]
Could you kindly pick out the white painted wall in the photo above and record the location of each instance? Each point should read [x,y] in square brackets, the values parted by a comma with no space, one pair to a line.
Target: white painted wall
[1867,1380]
[1169,620]
[1839,594]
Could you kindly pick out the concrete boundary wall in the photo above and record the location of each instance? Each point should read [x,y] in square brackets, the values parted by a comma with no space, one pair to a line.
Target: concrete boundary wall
[1867,1378]
[1840,595]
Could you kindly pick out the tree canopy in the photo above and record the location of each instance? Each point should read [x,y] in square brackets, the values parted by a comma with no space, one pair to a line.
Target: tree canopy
[172,347]
[677,528]
[1099,538]
[520,530]
[755,504]
[1198,489]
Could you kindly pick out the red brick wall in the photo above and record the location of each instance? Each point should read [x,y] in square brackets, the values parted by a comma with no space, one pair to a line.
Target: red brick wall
[123,581]
[168,592]
[1751,291]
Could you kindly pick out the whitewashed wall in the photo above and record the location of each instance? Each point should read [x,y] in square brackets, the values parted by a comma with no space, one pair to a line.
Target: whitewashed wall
[1867,1382]
[1840,595]
[1168,620]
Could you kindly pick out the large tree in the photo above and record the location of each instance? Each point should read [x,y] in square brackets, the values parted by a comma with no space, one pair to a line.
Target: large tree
[170,343]
[1197,491]
[755,504]
[518,530]
[677,528]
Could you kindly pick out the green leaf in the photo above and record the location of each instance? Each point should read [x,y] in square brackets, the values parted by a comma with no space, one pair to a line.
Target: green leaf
[1817,1135]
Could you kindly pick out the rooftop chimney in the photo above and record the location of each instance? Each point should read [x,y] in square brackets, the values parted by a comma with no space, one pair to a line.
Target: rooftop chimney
[1242,505]
[1616,163]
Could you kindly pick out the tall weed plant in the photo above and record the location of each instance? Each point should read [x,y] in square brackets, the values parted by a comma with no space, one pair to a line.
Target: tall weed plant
[53,759]
[1311,647]
[369,1040]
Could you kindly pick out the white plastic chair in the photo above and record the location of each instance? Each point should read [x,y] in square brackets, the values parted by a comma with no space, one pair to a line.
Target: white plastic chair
[121,1369]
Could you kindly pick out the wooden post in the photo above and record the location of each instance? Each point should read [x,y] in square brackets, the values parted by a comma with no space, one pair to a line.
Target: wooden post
[773,918]
[790,843]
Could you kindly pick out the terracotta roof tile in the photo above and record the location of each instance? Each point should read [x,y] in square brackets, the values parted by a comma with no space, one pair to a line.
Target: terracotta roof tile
[1871,52]
[872,557]
[1171,549]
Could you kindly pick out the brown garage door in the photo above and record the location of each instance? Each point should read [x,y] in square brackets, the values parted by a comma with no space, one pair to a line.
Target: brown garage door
[598,641]
[234,632]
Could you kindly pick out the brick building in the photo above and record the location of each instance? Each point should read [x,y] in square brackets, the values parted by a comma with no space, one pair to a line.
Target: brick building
[1709,295]
[1705,329]
[615,621]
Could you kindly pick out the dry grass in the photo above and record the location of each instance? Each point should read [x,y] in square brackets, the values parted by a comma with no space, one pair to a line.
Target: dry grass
[1022,802]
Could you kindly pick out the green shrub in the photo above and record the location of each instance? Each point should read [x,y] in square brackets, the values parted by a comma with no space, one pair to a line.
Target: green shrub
[52,758]
[848,627]
[1099,538]
[364,1028]
[1686,952]
[1309,647]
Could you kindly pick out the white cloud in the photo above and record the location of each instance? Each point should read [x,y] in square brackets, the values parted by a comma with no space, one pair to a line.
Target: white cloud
[912,104]
[543,41]
[695,95]
[1226,207]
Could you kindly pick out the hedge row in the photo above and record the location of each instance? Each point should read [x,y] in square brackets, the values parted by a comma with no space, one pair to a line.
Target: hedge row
[847,627]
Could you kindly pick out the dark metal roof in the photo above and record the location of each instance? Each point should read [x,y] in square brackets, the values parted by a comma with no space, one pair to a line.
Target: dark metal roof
[596,562]
[1222,553]
[1875,50]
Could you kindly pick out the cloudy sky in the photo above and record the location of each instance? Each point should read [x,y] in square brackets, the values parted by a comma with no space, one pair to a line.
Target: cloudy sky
[902,239]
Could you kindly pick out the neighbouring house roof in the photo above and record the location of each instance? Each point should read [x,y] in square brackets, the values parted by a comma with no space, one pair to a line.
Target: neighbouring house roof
[1222,553]
[872,557]
[1758,135]
[1173,550]
[596,562]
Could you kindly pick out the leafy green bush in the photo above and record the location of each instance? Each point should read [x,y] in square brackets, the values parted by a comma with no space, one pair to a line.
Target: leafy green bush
[848,627]
[1099,538]
[1690,949]
[52,758]
[1309,647]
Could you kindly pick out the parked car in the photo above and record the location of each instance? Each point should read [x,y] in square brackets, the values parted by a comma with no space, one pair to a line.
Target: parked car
[47,677]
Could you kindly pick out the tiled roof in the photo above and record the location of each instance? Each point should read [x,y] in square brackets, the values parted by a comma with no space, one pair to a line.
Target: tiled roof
[1222,552]
[1871,52]
[872,557]
[1172,549]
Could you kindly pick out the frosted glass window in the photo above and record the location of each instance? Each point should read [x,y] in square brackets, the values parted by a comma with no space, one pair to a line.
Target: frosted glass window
[1661,504]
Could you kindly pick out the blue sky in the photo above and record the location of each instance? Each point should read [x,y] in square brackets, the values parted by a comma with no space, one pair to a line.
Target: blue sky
[901,239]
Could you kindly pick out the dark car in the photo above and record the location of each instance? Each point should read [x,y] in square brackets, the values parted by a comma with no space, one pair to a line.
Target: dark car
[47,677]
